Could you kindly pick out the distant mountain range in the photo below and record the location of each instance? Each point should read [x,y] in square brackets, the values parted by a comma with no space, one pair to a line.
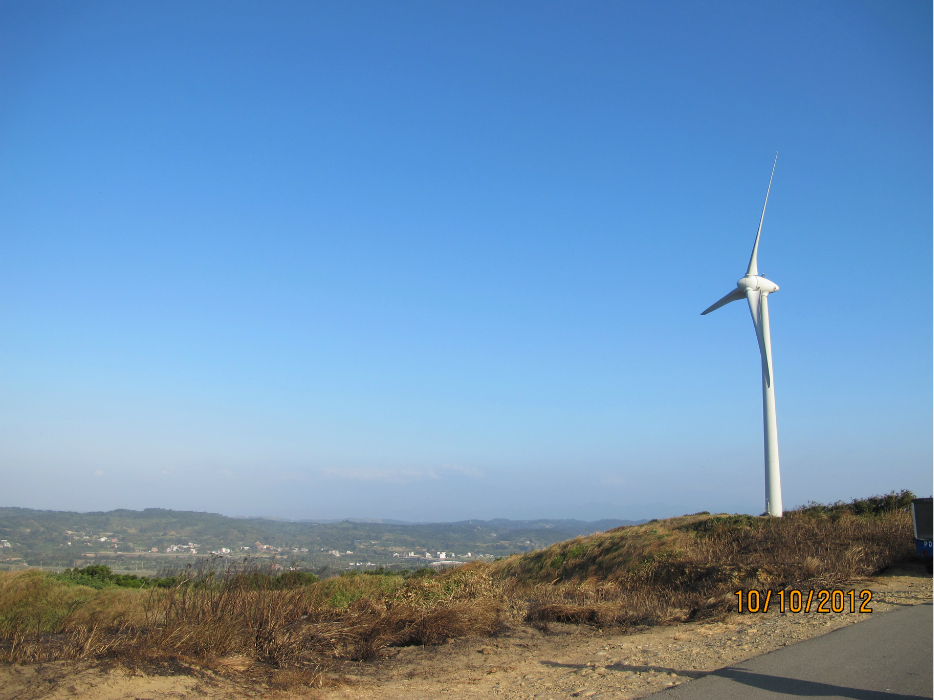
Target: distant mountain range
[501,523]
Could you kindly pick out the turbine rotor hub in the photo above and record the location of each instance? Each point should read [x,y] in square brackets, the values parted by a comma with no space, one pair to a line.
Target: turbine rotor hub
[757,283]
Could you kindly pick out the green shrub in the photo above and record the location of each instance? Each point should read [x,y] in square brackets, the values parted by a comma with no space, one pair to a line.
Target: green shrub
[294,579]
[99,576]
[722,522]
[893,502]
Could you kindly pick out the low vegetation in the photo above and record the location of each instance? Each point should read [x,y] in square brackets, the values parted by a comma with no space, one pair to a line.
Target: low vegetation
[99,576]
[679,569]
[687,567]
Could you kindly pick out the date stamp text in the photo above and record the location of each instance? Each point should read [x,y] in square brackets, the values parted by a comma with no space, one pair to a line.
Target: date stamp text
[796,601]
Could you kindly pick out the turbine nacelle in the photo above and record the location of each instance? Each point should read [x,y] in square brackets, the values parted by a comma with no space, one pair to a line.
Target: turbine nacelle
[756,283]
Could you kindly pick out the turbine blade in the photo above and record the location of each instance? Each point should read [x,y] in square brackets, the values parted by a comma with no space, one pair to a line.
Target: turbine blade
[735,295]
[754,297]
[753,268]
[766,350]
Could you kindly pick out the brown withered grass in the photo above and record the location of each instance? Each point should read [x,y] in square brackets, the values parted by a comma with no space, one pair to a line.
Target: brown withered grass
[230,620]
[232,614]
[687,568]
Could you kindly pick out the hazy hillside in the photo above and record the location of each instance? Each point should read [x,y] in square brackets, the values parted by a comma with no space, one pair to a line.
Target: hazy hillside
[128,538]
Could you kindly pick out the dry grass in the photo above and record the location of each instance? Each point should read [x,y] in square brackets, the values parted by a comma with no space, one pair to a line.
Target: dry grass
[231,614]
[234,622]
[687,568]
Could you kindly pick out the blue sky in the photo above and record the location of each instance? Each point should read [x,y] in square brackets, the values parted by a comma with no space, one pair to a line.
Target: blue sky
[434,261]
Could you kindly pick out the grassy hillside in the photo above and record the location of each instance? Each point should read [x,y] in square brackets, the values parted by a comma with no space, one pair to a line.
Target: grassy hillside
[680,569]
[688,567]
[798,547]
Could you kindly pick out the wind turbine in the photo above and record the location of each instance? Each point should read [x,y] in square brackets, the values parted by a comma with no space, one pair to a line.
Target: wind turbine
[756,289]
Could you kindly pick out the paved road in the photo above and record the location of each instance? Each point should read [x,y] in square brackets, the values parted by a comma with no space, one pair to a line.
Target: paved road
[888,657]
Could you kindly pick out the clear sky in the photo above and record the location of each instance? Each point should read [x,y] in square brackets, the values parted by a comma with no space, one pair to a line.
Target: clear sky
[441,260]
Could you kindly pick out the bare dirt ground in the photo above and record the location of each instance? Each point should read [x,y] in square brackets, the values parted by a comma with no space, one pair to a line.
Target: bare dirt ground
[520,664]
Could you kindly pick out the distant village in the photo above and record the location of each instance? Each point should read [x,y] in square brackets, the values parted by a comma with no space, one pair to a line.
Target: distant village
[90,547]
[157,542]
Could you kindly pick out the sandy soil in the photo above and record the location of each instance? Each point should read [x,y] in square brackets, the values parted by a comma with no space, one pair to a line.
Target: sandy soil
[523,663]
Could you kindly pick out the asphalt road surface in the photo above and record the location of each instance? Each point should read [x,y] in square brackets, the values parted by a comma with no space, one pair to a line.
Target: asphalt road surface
[887,657]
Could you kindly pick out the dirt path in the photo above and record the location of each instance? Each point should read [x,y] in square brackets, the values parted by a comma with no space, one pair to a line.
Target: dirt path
[524,663]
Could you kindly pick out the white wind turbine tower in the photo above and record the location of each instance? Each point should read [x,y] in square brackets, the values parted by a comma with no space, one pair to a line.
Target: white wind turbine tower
[756,289]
